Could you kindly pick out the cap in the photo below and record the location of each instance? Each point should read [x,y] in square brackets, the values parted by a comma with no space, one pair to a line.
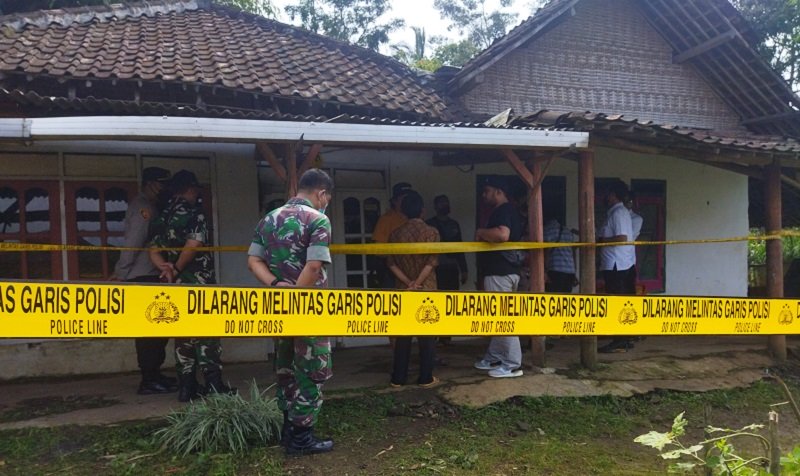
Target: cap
[498,182]
[183,179]
[400,188]
[155,174]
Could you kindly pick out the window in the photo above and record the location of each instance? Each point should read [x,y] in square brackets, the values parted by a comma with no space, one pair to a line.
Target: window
[29,213]
[96,217]
[360,214]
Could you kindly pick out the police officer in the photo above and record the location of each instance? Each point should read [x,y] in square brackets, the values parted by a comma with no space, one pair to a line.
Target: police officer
[136,267]
[291,248]
[182,224]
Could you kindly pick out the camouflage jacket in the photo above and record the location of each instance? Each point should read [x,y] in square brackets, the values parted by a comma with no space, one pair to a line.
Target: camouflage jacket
[289,236]
[177,223]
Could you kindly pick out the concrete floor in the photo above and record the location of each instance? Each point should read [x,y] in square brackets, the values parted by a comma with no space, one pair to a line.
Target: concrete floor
[679,363]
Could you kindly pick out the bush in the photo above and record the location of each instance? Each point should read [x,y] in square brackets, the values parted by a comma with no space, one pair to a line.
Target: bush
[223,423]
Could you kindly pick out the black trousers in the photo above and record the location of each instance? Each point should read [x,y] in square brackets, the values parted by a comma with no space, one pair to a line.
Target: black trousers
[559,282]
[620,282]
[447,278]
[402,356]
[150,351]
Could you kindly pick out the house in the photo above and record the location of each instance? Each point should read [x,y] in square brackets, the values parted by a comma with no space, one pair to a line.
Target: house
[683,109]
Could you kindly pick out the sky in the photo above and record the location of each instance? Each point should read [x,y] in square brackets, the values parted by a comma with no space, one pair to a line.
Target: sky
[421,13]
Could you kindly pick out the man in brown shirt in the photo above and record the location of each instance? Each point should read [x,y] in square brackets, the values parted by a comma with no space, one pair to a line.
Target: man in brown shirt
[414,272]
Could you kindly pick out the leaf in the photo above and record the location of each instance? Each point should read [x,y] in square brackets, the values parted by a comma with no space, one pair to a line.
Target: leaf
[679,425]
[675,454]
[655,439]
[682,467]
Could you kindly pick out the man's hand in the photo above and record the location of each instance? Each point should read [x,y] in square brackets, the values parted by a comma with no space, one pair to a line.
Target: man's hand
[168,272]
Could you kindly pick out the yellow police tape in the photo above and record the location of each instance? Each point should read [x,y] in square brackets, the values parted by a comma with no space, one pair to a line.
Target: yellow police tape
[407,248]
[37,310]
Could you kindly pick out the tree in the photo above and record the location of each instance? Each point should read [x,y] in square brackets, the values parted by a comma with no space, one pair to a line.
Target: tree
[471,19]
[777,24]
[264,8]
[456,54]
[355,21]
[416,57]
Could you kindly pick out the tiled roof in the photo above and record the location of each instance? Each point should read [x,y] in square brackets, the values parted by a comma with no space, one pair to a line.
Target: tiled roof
[190,41]
[653,133]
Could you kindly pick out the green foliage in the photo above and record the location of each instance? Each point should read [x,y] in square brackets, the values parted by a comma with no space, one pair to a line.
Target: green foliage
[757,249]
[777,24]
[222,423]
[355,21]
[264,8]
[716,453]
[472,19]
[456,54]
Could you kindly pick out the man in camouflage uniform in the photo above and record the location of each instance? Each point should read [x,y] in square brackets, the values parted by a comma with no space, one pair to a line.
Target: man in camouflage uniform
[290,248]
[182,224]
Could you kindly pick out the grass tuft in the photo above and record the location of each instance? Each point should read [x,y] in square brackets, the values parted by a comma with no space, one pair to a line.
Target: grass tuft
[223,423]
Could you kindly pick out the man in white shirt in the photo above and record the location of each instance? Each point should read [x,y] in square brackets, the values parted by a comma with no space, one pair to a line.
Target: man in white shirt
[617,262]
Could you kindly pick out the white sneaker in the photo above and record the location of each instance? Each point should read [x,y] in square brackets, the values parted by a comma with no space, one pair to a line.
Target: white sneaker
[501,372]
[484,364]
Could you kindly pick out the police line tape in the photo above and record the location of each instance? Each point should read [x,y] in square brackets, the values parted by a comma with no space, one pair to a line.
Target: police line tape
[404,248]
[37,310]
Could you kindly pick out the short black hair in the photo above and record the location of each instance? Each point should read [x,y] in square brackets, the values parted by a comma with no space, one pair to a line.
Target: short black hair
[412,205]
[439,199]
[315,179]
[619,189]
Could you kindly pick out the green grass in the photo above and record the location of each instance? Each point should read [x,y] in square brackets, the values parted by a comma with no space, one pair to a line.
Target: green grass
[383,434]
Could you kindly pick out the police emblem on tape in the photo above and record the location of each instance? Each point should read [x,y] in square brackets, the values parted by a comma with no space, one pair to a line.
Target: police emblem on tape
[162,310]
[785,317]
[628,314]
[427,313]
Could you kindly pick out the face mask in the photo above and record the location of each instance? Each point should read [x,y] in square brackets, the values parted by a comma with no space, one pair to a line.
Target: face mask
[322,209]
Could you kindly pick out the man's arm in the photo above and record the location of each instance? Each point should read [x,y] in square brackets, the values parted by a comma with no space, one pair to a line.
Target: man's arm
[261,271]
[498,234]
[423,275]
[310,274]
[400,275]
[136,228]
[167,269]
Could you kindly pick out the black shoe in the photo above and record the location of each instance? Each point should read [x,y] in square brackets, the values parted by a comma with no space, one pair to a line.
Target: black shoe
[303,442]
[214,383]
[188,388]
[169,382]
[616,347]
[153,387]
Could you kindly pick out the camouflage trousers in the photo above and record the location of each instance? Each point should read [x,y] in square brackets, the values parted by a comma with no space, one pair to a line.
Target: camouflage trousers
[304,364]
[193,353]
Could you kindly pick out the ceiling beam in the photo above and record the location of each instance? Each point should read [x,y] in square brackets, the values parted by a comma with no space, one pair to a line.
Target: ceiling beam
[704,47]
[771,118]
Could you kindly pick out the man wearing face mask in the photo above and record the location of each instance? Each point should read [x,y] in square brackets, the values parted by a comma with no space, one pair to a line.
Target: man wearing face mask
[291,247]
[182,224]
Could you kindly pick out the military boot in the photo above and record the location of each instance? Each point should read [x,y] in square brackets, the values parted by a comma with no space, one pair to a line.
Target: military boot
[187,387]
[303,442]
[214,383]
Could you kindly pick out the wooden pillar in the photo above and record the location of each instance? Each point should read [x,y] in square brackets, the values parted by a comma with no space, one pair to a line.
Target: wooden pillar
[772,203]
[587,235]
[291,170]
[536,234]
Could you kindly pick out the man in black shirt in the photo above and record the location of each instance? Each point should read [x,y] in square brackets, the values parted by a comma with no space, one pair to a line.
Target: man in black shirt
[501,272]
[452,269]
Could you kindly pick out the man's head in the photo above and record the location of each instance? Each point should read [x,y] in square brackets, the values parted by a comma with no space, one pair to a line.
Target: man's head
[630,199]
[316,186]
[617,192]
[441,204]
[495,191]
[185,184]
[412,205]
[153,180]
[398,192]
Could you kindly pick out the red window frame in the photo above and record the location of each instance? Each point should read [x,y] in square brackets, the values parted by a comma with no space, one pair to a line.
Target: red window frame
[52,236]
[74,235]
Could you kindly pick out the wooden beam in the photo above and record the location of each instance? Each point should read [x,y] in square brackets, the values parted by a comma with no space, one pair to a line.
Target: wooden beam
[536,263]
[519,167]
[313,152]
[586,228]
[266,152]
[704,47]
[771,118]
[545,166]
[772,204]
[291,169]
